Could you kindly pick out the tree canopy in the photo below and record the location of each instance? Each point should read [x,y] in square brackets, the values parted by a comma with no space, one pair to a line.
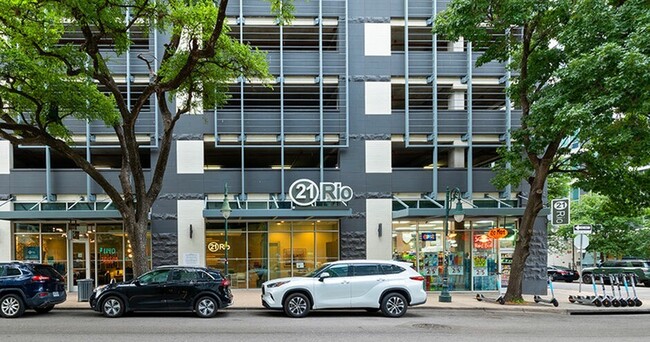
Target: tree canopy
[580,76]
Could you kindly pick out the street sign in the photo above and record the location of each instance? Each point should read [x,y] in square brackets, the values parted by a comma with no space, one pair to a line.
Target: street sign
[582,229]
[560,211]
[581,242]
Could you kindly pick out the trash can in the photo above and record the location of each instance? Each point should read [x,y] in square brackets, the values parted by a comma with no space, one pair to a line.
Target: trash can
[85,288]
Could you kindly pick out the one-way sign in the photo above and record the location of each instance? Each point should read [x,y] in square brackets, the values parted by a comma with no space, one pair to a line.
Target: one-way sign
[582,229]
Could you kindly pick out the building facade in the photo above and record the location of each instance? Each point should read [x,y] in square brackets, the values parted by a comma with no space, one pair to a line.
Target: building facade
[349,155]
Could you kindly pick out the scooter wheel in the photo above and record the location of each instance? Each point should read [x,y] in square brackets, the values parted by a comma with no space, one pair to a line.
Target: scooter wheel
[597,302]
[623,303]
[501,301]
[615,303]
[571,299]
[479,297]
[607,303]
[631,302]
[638,302]
[536,299]
[555,302]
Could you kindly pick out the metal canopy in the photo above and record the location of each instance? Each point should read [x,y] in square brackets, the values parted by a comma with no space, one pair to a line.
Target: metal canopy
[469,212]
[59,214]
[280,213]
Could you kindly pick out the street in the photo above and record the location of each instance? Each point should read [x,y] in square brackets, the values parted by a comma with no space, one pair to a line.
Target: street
[358,326]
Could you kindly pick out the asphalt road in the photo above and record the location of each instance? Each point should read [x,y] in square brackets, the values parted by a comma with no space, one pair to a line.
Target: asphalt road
[331,326]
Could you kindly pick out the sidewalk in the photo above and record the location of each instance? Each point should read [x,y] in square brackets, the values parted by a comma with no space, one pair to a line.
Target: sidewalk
[250,300]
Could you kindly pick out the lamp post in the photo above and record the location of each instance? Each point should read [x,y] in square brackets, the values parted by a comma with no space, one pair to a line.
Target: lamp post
[225,211]
[459,215]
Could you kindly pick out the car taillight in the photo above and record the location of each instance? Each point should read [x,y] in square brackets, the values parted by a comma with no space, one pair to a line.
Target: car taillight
[417,278]
[40,278]
[225,283]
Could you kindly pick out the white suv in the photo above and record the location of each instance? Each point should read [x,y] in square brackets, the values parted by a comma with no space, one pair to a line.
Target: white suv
[391,286]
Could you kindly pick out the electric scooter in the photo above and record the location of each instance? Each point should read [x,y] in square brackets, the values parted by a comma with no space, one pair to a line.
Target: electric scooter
[630,300]
[588,300]
[621,300]
[637,301]
[615,302]
[481,298]
[607,301]
[553,301]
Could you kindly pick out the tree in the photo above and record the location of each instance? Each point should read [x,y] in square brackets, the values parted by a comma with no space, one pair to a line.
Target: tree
[581,73]
[44,82]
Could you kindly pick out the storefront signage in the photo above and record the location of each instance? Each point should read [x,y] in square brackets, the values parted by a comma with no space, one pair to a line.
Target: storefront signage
[497,233]
[306,192]
[560,211]
[482,241]
[428,236]
[215,247]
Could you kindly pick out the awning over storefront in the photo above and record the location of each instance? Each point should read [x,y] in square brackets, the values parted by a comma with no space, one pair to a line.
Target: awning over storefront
[60,215]
[272,214]
[469,212]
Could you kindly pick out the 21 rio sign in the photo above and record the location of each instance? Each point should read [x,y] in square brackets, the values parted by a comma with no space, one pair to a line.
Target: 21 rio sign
[306,192]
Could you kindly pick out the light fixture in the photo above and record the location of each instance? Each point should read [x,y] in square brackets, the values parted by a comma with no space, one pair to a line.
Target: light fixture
[191,231]
[379,230]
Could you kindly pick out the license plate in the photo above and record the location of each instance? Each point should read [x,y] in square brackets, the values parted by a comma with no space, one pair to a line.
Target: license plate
[55,294]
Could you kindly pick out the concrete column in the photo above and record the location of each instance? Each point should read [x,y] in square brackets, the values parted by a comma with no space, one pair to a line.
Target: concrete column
[456,100]
[379,212]
[191,251]
[456,158]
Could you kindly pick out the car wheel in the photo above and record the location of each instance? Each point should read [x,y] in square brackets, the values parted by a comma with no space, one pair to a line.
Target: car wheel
[113,307]
[296,305]
[393,305]
[11,306]
[206,307]
[587,278]
[44,309]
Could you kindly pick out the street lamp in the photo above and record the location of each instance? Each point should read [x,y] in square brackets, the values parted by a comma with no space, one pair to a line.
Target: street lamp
[459,215]
[225,211]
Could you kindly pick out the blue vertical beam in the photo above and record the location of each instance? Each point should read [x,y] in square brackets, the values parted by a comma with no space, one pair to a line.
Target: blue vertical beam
[242,133]
[128,63]
[88,156]
[434,81]
[282,140]
[320,88]
[156,109]
[347,79]
[470,157]
[48,174]
[407,116]
[508,189]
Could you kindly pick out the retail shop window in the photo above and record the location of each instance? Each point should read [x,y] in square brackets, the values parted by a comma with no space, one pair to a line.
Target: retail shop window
[295,37]
[420,39]
[485,156]
[102,158]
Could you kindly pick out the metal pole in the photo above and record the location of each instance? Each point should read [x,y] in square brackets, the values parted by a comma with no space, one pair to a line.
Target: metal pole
[445,296]
[226,231]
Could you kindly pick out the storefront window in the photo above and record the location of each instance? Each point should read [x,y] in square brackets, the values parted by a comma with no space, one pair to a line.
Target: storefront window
[110,254]
[54,251]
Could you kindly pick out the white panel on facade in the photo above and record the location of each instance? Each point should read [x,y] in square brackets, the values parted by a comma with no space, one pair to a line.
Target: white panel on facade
[5,235]
[189,156]
[378,156]
[5,157]
[378,98]
[377,39]
[191,250]
[379,212]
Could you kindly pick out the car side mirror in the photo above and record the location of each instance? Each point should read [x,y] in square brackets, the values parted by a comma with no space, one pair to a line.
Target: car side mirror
[323,276]
[137,282]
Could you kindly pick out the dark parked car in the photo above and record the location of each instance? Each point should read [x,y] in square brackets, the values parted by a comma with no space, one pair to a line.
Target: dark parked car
[166,288]
[29,286]
[562,273]
[640,268]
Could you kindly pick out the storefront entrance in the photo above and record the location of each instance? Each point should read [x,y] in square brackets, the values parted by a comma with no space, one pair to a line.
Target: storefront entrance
[79,260]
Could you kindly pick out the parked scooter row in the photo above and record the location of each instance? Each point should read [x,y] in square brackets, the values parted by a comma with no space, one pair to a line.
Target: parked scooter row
[615,298]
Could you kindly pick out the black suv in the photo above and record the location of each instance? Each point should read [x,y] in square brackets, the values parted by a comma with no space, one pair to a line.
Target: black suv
[638,267]
[29,286]
[166,288]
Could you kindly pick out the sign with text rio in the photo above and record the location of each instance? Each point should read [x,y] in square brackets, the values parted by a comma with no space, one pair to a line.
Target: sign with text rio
[304,192]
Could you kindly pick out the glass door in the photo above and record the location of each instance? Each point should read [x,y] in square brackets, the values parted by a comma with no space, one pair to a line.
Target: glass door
[79,261]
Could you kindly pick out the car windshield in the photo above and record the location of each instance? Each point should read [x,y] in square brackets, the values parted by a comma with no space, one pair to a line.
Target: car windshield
[317,271]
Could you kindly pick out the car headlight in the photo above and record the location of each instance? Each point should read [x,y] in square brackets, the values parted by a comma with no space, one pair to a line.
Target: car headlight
[277,284]
[99,289]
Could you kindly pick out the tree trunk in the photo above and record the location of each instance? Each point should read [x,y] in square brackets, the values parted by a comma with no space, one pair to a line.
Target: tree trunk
[137,242]
[522,246]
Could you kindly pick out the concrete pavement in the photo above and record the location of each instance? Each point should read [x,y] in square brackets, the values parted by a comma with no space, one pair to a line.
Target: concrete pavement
[249,299]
